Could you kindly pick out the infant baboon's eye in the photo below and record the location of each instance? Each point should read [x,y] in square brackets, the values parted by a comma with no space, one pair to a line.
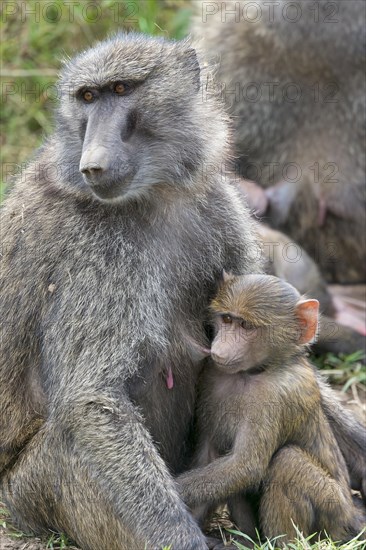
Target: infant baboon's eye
[88,96]
[246,325]
[120,88]
[227,319]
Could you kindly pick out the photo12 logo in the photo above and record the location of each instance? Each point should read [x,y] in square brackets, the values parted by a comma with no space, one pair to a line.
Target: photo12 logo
[269,11]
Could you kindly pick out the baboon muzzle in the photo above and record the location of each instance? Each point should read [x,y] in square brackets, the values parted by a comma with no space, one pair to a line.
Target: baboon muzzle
[106,159]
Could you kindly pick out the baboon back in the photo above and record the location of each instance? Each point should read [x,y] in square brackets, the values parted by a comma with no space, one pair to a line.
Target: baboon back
[297,106]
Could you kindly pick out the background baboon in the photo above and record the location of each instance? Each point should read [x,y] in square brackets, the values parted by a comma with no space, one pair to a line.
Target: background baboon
[290,262]
[293,75]
[281,446]
[114,241]
[342,328]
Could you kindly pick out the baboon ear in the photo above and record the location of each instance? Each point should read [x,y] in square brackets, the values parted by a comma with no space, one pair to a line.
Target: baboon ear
[190,61]
[307,311]
[227,276]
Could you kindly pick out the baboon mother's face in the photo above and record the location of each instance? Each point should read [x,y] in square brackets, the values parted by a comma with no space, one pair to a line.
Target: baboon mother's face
[131,117]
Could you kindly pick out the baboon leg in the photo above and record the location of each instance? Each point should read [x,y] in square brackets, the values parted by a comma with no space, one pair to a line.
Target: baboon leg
[242,514]
[298,490]
[60,478]
[75,502]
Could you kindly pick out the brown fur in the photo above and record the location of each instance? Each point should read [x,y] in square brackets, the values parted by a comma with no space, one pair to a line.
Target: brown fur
[95,295]
[261,420]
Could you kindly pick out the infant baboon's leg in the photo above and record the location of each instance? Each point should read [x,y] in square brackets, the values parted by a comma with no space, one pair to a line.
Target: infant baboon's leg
[298,491]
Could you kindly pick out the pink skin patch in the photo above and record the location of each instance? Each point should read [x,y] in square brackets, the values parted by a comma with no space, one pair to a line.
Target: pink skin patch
[349,314]
[169,379]
[322,212]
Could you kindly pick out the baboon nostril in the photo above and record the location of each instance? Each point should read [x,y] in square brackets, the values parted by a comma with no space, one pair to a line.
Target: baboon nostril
[94,160]
[91,169]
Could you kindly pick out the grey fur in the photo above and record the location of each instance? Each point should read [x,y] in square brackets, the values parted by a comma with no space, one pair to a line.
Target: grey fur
[95,295]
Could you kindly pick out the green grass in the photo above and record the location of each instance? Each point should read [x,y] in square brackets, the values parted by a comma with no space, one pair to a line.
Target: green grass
[244,542]
[58,542]
[300,543]
[346,371]
[343,369]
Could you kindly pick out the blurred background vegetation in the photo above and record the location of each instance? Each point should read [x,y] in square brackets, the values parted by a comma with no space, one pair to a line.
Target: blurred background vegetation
[37,35]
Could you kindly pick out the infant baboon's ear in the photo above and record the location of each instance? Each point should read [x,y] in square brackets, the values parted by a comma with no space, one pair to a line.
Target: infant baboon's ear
[307,311]
[190,62]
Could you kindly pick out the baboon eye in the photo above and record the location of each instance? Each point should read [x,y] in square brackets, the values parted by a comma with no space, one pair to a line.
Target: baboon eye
[227,319]
[120,88]
[246,325]
[88,96]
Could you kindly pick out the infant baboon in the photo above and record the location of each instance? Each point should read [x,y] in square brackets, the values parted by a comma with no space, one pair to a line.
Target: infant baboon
[260,418]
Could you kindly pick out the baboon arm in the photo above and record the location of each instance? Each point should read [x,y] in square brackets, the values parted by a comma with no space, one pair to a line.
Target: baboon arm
[205,454]
[109,443]
[242,469]
[218,480]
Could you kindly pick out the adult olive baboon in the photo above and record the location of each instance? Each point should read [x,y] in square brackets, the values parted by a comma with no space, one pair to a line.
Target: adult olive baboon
[114,241]
[293,75]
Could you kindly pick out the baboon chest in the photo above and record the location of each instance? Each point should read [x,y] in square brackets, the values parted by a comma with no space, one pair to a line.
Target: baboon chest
[140,289]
